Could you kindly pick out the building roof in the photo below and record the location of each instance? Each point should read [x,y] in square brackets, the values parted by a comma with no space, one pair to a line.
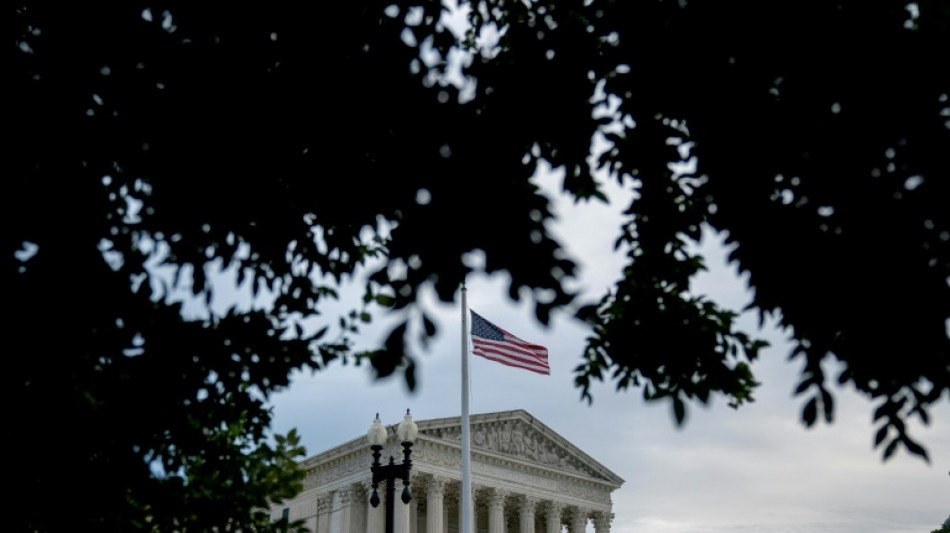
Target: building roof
[515,438]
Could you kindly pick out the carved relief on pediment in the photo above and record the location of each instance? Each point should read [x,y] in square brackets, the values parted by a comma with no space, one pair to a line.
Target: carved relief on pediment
[519,440]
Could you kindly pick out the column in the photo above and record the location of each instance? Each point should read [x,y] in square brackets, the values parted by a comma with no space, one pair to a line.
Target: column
[358,511]
[578,520]
[527,509]
[602,522]
[309,514]
[347,499]
[401,511]
[375,516]
[478,492]
[461,527]
[496,510]
[552,514]
[435,498]
[324,505]
[453,497]
[414,513]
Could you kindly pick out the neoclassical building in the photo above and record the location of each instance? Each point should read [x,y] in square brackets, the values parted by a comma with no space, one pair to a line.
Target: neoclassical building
[525,479]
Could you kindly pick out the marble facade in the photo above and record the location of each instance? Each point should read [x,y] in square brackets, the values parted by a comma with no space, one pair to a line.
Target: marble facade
[525,479]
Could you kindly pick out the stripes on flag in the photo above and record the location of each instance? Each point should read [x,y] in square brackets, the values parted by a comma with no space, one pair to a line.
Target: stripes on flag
[493,343]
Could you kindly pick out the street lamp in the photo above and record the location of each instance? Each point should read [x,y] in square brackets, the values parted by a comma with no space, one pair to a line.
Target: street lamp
[377,436]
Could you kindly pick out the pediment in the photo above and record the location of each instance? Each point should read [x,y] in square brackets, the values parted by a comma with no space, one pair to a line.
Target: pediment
[518,435]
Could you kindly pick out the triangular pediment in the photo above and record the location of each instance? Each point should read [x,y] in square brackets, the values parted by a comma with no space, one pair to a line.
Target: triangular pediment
[519,436]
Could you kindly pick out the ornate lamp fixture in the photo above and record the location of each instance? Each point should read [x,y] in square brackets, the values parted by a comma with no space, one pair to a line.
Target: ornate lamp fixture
[377,436]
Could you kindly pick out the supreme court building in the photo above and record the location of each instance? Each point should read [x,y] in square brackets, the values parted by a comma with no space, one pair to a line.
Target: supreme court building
[525,479]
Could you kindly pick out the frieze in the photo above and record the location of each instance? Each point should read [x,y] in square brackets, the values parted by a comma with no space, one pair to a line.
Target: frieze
[323,474]
[586,492]
[436,456]
[310,481]
[519,477]
[579,490]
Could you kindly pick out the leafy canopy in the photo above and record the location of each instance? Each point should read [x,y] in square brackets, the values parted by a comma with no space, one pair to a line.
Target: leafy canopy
[162,148]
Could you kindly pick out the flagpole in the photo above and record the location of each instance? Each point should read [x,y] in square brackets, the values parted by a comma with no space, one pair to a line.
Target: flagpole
[466,440]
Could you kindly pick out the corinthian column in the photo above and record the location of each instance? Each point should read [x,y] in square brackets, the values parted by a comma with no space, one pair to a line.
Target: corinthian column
[402,510]
[435,496]
[347,500]
[375,516]
[552,515]
[324,504]
[528,506]
[358,512]
[414,514]
[578,520]
[476,492]
[602,522]
[452,495]
[496,511]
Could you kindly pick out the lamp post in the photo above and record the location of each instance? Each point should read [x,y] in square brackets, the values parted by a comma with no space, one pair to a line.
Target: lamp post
[377,437]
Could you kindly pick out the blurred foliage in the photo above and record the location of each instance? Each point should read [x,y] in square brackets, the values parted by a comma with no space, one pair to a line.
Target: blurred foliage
[155,145]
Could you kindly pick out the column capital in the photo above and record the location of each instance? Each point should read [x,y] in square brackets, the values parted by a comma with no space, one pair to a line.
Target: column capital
[435,501]
[496,509]
[479,495]
[324,501]
[349,494]
[452,491]
[436,484]
[578,519]
[602,521]
[417,484]
[528,503]
[496,496]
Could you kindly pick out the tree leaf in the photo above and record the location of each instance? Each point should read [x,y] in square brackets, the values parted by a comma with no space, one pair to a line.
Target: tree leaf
[810,412]
[679,410]
[881,435]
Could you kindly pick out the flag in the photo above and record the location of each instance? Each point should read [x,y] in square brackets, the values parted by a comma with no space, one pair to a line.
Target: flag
[491,342]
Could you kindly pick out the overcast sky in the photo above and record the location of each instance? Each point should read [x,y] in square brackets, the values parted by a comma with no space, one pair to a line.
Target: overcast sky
[756,469]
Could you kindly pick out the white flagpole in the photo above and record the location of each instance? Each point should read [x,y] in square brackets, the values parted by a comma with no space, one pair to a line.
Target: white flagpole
[466,440]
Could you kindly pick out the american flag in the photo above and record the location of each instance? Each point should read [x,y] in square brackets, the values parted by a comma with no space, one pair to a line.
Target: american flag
[491,342]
